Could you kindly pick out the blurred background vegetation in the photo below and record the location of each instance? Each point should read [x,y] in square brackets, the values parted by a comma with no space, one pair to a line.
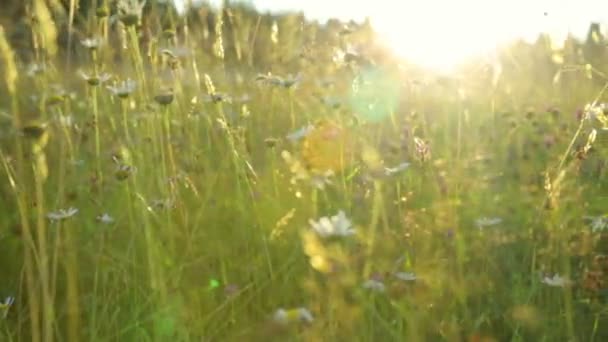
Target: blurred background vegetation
[209,213]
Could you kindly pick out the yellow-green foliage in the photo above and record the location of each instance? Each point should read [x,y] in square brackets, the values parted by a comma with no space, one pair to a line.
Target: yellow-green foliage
[228,175]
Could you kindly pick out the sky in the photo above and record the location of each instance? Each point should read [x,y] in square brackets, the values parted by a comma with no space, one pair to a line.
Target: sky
[443,33]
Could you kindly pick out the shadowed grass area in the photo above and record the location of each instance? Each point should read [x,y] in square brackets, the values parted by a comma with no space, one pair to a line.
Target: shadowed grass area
[231,176]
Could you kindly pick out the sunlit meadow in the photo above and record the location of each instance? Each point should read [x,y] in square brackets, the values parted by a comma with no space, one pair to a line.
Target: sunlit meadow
[226,175]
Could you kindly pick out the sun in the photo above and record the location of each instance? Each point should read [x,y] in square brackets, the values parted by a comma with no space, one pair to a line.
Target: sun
[434,51]
[437,41]
[441,34]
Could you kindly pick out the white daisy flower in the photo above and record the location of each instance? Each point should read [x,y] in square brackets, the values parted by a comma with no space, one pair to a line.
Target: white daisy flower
[291,80]
[91,43]
[284,316]
[300,133]
[336,226]
[62,214]
[165,203]
[105,218]
[123,171]
[176,51]
[348,55]
[123,89]
[331,101]
[130,11]
[65,120]
[487,221]
[597,111]
[268,79]
[93,79]
[319,181]
[556,281]
[35,69]
[217,98]
[273,80]
[598,223]
[374,285]
[406,276]
[389,171]
[6,305]
[305,315]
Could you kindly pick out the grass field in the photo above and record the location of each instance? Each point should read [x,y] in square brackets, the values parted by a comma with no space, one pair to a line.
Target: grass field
[245,177]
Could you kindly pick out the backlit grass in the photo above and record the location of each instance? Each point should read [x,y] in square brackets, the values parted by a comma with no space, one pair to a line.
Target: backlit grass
[231,176]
